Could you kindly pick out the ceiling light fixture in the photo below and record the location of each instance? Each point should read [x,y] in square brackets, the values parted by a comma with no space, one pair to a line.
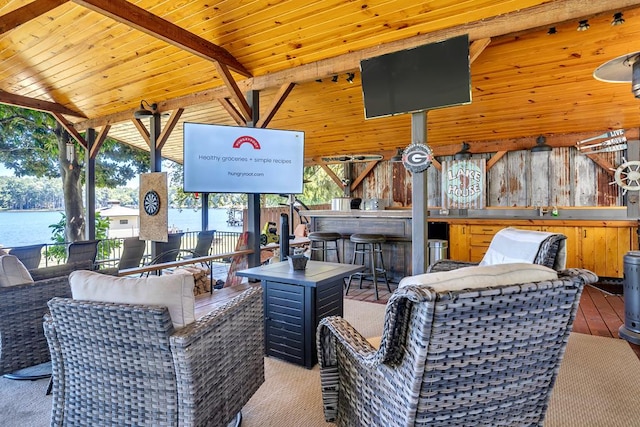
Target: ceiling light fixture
[541,145]
[623,69]
[350,77]
[334,79]
[398,156]
[617,19]
[464,153]
[143,112]
[552,30]
[583,25]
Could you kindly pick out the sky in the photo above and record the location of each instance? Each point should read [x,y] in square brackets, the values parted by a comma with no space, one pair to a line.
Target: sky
[4,171]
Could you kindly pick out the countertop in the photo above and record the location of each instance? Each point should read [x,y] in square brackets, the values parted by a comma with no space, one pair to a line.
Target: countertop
[510,214]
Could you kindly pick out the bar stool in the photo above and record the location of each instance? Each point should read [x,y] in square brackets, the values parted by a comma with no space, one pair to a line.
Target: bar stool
[369,245]
[320,244]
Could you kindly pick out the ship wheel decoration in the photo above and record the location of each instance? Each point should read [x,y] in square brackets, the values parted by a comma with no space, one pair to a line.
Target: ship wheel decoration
[151,203]
[627,175]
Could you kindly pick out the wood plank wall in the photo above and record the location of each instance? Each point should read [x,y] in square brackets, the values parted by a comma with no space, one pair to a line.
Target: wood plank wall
[562,177]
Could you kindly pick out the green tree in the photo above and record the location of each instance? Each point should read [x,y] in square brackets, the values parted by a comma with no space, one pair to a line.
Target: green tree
[33,143]
[59,250]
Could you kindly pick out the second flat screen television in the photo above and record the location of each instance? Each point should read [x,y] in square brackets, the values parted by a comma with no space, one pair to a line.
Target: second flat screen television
[423,78]
[232,159]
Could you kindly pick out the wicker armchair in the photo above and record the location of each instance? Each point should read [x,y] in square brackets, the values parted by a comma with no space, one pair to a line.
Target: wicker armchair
[551,253]
[121,364]
[22,340]
[487,356]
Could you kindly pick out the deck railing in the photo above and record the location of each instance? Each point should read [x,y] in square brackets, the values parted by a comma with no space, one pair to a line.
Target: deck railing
[223,242]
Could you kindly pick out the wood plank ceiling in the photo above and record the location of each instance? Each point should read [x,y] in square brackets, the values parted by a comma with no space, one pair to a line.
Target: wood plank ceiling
[78,56]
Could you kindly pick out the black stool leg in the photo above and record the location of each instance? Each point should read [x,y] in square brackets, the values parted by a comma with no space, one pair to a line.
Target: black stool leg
[383,269]
[374,268]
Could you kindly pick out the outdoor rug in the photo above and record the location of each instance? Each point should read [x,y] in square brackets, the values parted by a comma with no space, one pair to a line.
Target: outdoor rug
[598,385]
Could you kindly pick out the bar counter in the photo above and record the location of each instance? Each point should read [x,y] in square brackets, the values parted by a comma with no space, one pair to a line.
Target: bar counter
[589,232]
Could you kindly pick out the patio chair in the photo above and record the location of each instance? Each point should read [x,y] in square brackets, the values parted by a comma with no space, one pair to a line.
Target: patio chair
[203,245]
[132,253]
[84,250]
[22,341]
[509,245]
[117,364]
[30,256]
[453,352]
[168,251]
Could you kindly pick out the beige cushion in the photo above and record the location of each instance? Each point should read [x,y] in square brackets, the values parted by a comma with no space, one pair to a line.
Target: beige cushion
[13,272]
[482,276]
[174,291]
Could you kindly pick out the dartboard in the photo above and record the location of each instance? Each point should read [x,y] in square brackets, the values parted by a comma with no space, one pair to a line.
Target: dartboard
[151,203]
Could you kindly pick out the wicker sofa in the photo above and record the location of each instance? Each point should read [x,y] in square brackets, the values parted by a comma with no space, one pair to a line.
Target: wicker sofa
[454,353]
[125,364]
[22,307]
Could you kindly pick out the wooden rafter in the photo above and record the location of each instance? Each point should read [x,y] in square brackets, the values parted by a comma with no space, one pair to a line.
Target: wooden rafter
[102,136]
[68,126]
[279,99]
[140,19]
[332,175]
[144,132]
[168,128]
[233,111]
[37,104]
[477,47]
[363,175]
[493,160]
[26,13]
[598,159]
[235,92]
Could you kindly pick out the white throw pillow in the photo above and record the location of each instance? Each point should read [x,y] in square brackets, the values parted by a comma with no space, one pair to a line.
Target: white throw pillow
[482,277]
[174,291]
[13,272]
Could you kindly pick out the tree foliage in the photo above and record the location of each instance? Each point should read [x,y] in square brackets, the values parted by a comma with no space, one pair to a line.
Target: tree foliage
[33,143]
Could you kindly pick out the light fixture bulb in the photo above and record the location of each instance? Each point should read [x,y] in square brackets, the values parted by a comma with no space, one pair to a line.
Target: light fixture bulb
[617,19]
[583,25]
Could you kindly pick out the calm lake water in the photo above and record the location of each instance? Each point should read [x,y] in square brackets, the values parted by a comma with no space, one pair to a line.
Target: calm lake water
[28,227]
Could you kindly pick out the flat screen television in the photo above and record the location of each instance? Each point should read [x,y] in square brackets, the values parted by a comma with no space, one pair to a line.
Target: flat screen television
[423,78]
[232,159]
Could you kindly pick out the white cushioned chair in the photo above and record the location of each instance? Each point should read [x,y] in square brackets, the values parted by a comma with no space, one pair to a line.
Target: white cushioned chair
[511,245]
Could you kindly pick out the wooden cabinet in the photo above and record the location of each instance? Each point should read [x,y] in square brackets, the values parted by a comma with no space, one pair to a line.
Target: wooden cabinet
[598,246]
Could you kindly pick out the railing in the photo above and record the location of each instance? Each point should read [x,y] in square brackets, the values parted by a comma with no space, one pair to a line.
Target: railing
[223,242]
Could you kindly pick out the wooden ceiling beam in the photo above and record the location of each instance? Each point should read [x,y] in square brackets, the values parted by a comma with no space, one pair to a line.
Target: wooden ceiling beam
[155,26]
[26,13]
[68,126]
[144,132]
[278,100]
[549,13]
[168,128]
[233,111]
[36,104]
[235,92]
[100,139]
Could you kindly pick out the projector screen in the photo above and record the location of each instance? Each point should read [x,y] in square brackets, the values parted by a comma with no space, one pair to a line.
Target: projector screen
[423,78]
[231,159]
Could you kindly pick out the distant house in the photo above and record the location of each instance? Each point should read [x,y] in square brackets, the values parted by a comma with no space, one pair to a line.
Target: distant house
[125,222]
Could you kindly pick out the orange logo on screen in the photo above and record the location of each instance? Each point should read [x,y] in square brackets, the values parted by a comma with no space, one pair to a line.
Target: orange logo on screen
[246,140]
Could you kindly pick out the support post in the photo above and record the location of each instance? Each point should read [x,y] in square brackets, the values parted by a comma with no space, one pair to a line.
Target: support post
[419,211]
[633,153]
[205,211]
[253,199]
[155,159]
[90,187]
